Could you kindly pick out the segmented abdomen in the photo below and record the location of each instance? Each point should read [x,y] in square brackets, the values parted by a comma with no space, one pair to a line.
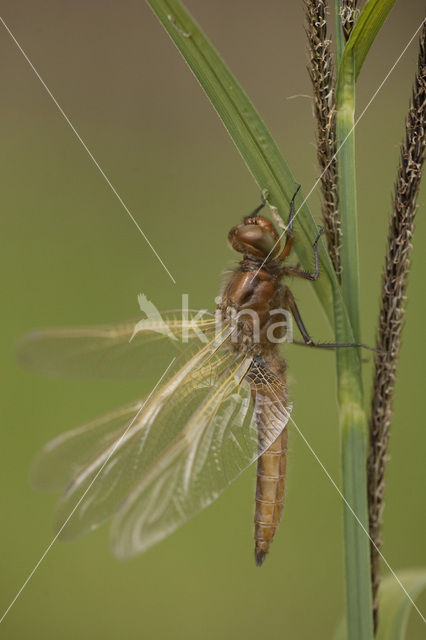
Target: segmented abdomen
[271,468]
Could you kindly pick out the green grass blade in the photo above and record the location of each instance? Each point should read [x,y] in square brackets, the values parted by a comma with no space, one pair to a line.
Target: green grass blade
[395,606]
[347,190]
[357,549]
[353,419]
[352,415]
[365,31]
[249,133]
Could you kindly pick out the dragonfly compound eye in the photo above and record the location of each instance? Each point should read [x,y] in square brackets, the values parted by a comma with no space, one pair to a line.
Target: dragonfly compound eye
[253,241]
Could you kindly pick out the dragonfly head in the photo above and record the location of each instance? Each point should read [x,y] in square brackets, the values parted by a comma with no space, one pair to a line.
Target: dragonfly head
[255,238]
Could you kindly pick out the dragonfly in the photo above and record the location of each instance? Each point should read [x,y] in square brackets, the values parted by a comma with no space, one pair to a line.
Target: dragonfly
[153,464]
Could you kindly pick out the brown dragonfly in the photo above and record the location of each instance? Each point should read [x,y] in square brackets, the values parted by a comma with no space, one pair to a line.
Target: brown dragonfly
[154,463]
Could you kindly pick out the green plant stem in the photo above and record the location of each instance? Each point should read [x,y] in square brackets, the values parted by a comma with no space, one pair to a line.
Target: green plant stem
[350,59]
[353,428]
[353,421]
[347,194]
[357,556]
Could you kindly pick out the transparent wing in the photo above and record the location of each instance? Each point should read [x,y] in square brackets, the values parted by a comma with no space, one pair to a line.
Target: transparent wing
[119,350]
[269,392]
[173,457]
[63,458]
[223,437]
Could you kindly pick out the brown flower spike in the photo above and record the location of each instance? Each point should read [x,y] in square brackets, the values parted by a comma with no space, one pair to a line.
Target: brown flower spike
[394,283]
[349,15]
[321,72]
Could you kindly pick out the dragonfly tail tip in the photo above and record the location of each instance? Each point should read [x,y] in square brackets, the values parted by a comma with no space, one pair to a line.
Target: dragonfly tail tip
[259,556]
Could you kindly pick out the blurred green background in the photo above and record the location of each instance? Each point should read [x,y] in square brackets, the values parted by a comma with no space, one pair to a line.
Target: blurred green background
[70,255]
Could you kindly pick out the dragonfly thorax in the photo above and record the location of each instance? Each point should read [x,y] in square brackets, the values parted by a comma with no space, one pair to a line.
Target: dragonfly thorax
[249,302]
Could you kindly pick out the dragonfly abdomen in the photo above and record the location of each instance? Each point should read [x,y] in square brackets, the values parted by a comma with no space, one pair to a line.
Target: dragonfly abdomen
[271,468]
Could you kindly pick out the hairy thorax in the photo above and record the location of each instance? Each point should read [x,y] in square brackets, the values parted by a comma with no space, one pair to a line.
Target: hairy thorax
[251,300]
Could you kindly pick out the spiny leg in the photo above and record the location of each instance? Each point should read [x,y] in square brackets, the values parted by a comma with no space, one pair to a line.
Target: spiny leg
[336,345]
[300,273]
[290,234]
[290,303]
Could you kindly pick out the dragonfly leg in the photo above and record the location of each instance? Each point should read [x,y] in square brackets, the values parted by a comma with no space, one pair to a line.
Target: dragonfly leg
[290,304]
[290,234]
[306,275]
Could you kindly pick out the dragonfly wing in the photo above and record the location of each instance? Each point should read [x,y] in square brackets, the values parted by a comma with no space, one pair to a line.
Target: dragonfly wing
[155,469]
[64,457]
[222,438]
[111,448]
[119,350]
[269,392]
